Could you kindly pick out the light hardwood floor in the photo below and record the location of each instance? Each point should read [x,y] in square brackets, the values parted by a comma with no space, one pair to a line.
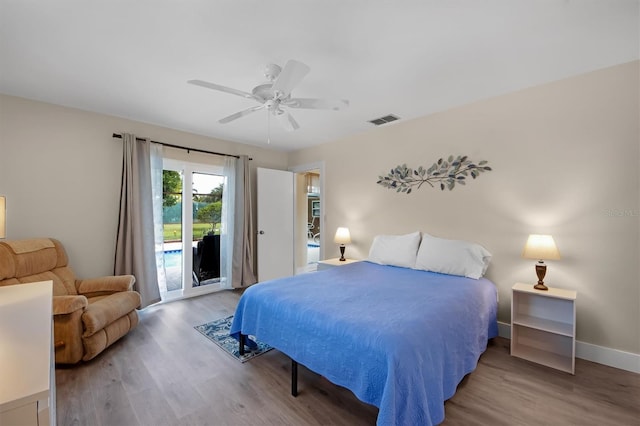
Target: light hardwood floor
[166,373]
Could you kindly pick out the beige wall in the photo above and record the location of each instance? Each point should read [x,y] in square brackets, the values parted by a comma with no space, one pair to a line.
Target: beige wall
[565,160]
[60,170]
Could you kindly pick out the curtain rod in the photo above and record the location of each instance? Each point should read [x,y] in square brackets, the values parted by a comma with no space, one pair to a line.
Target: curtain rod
[119,136]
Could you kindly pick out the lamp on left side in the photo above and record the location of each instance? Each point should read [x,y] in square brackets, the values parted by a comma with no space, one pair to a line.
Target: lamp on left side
[3,217]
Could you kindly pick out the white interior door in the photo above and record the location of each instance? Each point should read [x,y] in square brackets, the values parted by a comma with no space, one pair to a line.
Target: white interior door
[275,223]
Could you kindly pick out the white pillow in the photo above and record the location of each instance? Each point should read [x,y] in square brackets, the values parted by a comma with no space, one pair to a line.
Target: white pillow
[452,257]
[395,250]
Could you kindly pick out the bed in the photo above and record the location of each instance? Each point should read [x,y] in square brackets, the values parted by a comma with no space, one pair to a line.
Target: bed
[399,338]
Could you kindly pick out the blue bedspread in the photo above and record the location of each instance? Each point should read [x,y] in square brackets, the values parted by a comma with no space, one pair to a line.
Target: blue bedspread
[398,338]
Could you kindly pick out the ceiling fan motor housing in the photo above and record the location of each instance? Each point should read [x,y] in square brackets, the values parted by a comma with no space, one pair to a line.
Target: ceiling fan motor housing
[264,91]
[272,71]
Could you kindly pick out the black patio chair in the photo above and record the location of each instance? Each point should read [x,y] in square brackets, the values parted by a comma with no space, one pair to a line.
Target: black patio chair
[209,258]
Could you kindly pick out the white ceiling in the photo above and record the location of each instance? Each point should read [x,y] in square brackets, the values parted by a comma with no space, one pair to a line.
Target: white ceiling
[410,58]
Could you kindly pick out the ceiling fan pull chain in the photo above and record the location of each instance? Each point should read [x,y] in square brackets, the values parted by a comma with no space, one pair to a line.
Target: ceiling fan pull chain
[268,127]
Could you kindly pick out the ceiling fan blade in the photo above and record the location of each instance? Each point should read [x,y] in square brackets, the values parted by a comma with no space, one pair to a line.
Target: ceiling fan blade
[310,103]
[223,89]
[240,114]
[287,121]
[290,76]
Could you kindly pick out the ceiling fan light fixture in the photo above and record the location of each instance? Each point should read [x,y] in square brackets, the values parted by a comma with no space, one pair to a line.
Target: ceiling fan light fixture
[272,71]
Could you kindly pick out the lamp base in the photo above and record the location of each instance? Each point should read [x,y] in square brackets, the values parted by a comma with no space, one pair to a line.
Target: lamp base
[342,259]
[541,271]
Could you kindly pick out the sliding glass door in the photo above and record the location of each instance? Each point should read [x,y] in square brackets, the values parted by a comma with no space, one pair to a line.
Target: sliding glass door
[192,206]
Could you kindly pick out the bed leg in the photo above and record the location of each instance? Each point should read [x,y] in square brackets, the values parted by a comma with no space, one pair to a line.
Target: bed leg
[294,378]
[241,344]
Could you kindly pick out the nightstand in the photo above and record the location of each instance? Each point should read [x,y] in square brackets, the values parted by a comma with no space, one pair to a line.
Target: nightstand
[543,326]
[332,263]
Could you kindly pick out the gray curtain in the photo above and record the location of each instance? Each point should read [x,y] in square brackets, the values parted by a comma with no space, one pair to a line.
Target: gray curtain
[242,265]
[135,248]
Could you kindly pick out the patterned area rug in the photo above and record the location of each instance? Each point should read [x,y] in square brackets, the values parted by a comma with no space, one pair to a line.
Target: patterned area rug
[218,332]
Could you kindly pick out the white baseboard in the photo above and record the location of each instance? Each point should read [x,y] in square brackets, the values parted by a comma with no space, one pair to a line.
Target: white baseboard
[504,330]
[612,357]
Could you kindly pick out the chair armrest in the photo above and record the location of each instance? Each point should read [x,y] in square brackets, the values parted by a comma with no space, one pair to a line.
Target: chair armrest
[68,304]
[105,285]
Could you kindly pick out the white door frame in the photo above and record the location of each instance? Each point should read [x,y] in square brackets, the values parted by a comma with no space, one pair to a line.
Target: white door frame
[319,165]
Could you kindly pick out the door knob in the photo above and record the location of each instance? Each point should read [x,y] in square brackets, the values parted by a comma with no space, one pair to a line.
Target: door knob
[261,232]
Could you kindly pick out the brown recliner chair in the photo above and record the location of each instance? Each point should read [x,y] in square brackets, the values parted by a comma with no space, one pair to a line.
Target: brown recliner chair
[88,315]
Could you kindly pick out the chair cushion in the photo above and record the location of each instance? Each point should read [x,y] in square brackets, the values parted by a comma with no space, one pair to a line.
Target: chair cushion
[103,310]
[105,285]
[63,282]
[37,260]
[95,344]
[63,305]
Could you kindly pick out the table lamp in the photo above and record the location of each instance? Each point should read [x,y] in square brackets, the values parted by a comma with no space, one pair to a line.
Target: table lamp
[342,237]
[541,247]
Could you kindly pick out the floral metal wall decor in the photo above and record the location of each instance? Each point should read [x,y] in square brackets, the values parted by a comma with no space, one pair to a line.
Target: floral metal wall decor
[447,173]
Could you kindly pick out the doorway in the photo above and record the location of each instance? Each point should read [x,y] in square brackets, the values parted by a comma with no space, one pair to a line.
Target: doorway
[192,204]
[309,217]
[314,230]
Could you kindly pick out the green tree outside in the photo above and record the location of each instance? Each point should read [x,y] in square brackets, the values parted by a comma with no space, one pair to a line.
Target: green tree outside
[212,197]
[211,213]
[171,188]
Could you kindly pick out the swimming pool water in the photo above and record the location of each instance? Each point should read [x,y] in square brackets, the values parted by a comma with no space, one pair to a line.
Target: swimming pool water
[173,258]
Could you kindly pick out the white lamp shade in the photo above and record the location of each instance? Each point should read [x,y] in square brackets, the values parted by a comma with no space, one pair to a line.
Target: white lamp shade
[541,247]
[3,218]
[342,236]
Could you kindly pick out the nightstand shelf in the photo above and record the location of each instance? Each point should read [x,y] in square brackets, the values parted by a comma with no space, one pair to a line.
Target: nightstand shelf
[543,326]
[551,326]
[539,356]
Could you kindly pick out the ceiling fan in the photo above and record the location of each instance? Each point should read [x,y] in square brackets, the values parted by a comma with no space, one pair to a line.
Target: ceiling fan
[274,95]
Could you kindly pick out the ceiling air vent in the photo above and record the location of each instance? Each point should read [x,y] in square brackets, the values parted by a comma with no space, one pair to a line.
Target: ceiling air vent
[383,120]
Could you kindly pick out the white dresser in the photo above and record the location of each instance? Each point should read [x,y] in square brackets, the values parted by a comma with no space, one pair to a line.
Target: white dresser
[27,387]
